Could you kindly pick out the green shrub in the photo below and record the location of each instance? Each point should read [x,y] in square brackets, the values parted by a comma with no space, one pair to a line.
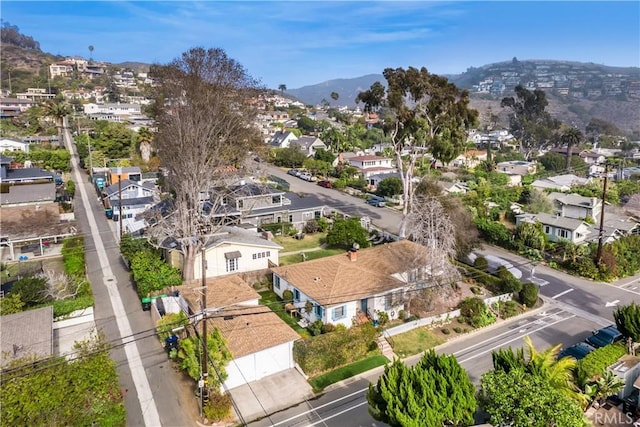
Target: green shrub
[169,322]
[383,317]
[458,330]
[599,359]
[445,331]
[315,328]
[507,309]
[218,407]
[73,256]
[474,312]
[287,295]
[68,306]
[402,315]
[31,290]
[328,327]
[323,353]
[481,263]
[529,294]
[476,290]
[152,274]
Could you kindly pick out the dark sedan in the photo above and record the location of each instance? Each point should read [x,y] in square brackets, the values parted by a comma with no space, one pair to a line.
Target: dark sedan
[604,336]
[577,351]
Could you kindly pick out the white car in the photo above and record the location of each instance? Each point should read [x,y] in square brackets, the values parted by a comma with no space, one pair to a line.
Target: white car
[308,177]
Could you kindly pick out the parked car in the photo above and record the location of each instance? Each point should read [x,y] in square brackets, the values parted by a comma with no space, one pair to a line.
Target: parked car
[376,201]
[293,172]
[577,351]
[604,336]
[307,177]
[325,183]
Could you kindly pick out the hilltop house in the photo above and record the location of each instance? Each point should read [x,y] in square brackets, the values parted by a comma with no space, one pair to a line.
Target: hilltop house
[342,288]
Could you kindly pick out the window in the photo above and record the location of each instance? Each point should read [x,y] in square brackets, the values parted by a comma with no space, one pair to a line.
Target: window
[339,313]
[240,204]
[547,229]
[318,311]
[563,233]
[296,295]
[276,282]
[290,218]
[317,214]
[275,200]
[232,264]
[268,254]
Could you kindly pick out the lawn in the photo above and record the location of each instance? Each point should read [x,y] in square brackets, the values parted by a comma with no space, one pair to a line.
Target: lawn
[273,301]
[321,381]
[309,241]
[414,341]
[320,253]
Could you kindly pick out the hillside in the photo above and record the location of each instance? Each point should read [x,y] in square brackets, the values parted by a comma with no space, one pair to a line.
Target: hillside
[24,66]
[577,92]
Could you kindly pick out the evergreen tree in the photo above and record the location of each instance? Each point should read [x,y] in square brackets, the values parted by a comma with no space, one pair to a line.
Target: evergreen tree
[435,392]
[628,322]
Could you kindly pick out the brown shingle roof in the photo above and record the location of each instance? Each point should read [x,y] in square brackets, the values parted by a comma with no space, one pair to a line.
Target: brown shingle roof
[27,333]
[252,329]
[337,279]
[221,292]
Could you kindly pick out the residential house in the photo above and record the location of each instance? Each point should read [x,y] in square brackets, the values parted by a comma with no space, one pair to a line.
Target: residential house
[560,182]
[117,109]
[341,288]
[12,145]
[470,159]
[369,165]
[28,333]
[28,194]
[374,180]
[615,226]
[9,175]
[36,94]
[576,206]
[260,204]
[132,173]
[283,139]
[231,250]
[129,199]
[12,107]
[592,157]
[260,343]
[558,228]
[627,369]
[517,167]
[310,144]
[61,68]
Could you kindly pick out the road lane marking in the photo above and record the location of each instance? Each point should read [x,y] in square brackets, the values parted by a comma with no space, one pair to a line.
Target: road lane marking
[322,420]
[514,339]
[138,375]
[562,293]
[319,407]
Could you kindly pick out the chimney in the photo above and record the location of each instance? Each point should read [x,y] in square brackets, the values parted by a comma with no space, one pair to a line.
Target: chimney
[353,255]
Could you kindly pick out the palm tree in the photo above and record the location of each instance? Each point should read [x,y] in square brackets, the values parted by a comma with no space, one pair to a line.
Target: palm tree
[282,88]
[608,384]
[571,137]
[57,110]
[90,52]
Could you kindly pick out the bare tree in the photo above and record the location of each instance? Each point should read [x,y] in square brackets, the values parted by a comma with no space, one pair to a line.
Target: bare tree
[432,228]
[204,114]
[60,286]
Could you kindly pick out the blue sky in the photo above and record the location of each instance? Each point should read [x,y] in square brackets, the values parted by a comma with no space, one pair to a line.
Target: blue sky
[308,42]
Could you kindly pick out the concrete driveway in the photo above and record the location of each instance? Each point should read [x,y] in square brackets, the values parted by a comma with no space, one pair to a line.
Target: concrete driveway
[271,394]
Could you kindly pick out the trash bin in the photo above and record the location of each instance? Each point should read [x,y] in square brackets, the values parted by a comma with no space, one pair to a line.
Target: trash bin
[171,343]
[146,304]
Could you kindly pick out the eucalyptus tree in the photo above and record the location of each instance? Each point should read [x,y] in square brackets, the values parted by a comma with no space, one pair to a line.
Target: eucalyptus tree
[529,121]
[204,118]
[420,112]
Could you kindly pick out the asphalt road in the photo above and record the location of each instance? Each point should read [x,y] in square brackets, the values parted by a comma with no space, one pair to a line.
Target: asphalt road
[165,398]
[346,404]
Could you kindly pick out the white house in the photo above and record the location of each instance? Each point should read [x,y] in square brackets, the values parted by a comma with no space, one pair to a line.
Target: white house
[470,159]
[12,145]
[283,139]
[342,288]
[231,250]
[576,206]
[310,144]
[560,182]
[260,343]
[558,228]
[369,165]
[117,109]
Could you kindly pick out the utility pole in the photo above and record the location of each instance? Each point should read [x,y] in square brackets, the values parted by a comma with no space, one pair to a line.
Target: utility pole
[120,199]
[601,231]
[205,350]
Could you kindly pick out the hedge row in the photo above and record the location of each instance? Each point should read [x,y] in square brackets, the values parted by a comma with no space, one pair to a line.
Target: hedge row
[598,360]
